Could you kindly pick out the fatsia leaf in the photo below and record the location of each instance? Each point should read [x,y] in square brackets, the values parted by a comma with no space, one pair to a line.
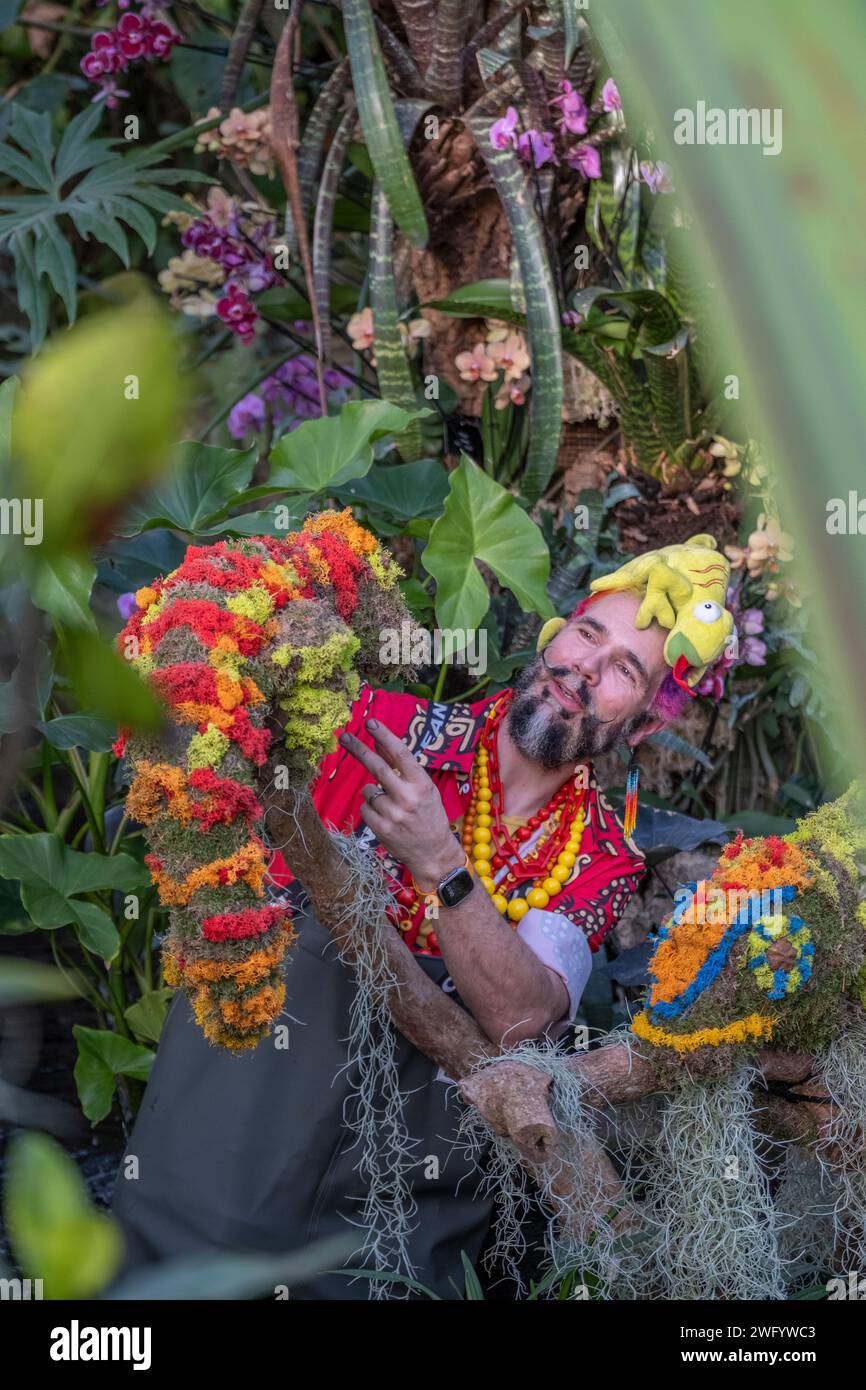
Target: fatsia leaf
[114,187]
[483,523]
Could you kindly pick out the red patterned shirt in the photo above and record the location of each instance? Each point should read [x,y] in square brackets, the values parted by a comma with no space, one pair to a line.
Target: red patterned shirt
[607,870]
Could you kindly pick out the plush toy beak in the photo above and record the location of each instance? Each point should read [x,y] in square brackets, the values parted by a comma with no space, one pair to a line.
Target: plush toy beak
[681,665]
[548,632]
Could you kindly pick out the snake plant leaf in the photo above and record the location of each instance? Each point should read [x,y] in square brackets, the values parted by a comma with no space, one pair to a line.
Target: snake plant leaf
[574,26]
[667,369]
[392,368]
[613,214]
[444,76]
[482,522]
[311,151]
[393,372]
[542,308]
[379,122]
[323,223]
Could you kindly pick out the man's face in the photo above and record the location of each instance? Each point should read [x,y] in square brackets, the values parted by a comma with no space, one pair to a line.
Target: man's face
[591,687]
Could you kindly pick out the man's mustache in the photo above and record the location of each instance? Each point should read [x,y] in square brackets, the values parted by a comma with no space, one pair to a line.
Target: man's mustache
[579,692]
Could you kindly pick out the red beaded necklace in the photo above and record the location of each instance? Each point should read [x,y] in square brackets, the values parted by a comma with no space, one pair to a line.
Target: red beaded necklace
[490,846]
[487,840]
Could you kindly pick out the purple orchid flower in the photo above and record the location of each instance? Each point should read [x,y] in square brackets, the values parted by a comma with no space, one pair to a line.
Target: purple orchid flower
[586,159]
[502,132]
[537,145]
[610,97]
[754,652]
[248,416]
[657,177]
[573,111]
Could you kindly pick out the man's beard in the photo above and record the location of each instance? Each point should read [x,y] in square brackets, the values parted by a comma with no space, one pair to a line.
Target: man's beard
[543,731]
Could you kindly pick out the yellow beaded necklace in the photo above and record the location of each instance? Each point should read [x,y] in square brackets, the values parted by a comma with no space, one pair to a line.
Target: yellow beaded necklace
[492,848]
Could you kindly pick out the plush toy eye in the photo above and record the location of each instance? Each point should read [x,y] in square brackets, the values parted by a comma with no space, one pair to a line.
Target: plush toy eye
[706,612]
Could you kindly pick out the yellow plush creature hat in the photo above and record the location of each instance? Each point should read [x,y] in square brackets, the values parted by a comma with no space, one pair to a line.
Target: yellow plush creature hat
[684,589]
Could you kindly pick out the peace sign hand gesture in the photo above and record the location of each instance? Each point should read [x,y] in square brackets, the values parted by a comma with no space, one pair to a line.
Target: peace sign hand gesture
[405,810]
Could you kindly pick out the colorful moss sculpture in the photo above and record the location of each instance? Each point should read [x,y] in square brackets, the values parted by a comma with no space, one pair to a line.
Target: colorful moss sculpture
[769,949]
[243,639]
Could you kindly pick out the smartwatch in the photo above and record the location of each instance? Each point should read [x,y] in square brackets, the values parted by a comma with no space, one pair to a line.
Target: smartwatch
[455,887]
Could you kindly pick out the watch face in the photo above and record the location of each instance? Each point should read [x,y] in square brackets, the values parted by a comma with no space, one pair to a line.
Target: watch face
[454,889]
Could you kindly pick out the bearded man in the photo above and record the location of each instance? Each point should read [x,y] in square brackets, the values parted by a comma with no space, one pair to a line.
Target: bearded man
[491,813]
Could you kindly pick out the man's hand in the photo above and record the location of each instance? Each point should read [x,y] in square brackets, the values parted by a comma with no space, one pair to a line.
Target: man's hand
[406,815]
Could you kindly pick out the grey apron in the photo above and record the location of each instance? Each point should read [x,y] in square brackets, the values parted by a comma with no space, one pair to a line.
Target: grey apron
[252,1152]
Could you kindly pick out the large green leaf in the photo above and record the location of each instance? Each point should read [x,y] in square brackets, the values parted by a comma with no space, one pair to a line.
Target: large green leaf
[102,1057]
[45,863]
[286,514]
[404,490]
[324,453]
[202,482]
[56,1234]
[483,523]
[147,1015]
[61,586]
[108,686]
[95,417]
[79,731]
[480,299]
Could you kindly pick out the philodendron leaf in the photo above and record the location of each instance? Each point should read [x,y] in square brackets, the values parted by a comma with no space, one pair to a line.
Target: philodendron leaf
[404,489]
[44,858]
[102,1057]
[51,874]
[482,522]
[56,1234]
[147,1015]
[324,453]
[79,731]
[202,483]
[60,585]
